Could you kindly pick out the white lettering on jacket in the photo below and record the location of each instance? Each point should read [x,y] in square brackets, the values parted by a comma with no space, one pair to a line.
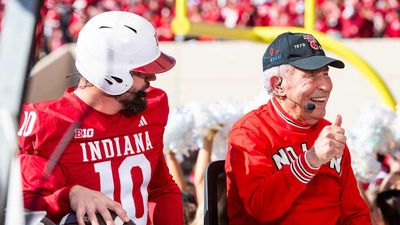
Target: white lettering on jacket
[286,155]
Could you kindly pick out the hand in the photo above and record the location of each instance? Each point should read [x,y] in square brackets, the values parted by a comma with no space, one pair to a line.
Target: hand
[329,144]
[394,163]
[86,201]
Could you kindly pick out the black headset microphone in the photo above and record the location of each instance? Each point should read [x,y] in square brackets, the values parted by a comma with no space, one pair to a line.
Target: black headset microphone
[309,106]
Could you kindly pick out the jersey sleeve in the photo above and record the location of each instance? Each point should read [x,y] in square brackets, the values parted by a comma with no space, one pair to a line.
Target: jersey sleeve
[259,182]
[40,191]
[165,199]
[354,210]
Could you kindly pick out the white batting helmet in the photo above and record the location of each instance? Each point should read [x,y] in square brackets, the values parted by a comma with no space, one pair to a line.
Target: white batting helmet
[112,44]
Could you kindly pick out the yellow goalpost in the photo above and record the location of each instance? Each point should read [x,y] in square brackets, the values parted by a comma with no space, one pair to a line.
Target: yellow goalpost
[181,26]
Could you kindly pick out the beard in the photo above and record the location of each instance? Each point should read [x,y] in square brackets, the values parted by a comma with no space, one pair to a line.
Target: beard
[132,103]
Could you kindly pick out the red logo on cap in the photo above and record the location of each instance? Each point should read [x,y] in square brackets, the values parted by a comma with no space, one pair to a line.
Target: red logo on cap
[311,40]
[273,51]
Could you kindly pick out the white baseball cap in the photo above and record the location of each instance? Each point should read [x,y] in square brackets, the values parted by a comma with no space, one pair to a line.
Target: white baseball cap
[112,44]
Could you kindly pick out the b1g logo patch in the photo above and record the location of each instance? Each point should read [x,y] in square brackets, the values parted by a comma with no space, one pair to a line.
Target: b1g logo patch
[84,133]
[311,40]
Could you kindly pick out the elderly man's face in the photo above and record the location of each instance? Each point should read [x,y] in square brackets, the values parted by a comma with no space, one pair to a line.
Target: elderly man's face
[308,86]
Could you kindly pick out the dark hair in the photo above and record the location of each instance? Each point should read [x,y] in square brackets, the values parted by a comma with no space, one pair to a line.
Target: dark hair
[188,163]
[389,203]
[189,207]
[187,197]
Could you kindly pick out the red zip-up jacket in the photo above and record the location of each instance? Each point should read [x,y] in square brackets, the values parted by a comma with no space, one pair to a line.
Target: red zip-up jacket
[269,180]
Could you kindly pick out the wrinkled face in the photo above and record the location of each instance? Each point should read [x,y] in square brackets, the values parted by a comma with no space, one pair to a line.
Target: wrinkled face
[134,100]
[307,86]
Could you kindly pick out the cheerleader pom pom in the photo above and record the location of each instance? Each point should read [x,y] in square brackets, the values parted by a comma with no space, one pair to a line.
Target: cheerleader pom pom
[178,135]
[396,126]
[373,127]
[205,122]
[226,111]
[364,162]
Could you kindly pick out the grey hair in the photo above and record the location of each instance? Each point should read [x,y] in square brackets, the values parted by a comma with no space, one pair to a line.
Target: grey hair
[274,71]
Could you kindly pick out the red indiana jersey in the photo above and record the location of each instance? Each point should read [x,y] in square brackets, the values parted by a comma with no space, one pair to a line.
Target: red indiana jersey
[269,180]
[117,155]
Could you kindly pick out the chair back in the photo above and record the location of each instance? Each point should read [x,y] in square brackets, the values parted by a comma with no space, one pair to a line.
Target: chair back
[214,190]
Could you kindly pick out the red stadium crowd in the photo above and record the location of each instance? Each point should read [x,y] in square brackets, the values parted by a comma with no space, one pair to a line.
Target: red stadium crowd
[62,19]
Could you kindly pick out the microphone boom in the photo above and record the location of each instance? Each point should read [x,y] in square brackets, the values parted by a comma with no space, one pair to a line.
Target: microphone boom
[310,106]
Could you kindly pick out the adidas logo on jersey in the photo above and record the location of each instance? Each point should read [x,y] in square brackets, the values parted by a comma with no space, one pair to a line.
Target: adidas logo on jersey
[142,122]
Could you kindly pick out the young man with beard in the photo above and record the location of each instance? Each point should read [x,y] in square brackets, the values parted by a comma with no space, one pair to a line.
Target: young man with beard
[100,146]
[286,164]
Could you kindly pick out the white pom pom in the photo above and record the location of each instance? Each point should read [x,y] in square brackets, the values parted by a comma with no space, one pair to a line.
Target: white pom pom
[226,111]
[178,135]
[204,122]
[396,127]
[371,135]
[220,144]
[373,127]
[364,163]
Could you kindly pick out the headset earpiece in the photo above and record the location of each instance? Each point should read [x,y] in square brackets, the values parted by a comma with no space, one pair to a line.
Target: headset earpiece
[280,84]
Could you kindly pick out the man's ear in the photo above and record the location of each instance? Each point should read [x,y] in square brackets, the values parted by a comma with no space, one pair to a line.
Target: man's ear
[276,86]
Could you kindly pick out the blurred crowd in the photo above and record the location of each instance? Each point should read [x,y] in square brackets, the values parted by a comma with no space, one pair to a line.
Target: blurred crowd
[62,19]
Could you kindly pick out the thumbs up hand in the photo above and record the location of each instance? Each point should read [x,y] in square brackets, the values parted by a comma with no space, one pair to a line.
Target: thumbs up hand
[329,144]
